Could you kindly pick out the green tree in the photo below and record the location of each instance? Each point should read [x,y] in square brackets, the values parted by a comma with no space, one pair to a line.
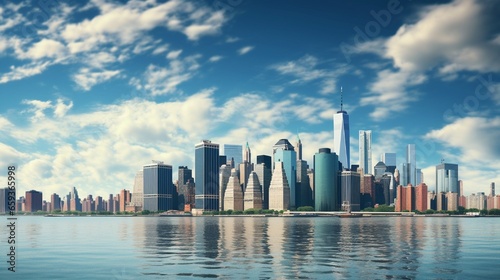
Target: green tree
[306,208]
[250,211]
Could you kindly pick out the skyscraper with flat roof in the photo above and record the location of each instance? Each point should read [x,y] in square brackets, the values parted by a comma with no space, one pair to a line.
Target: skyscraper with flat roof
[207,175]
[326,189]
[350,189]
[158,187]
[264,174]
[267,160]
[389,159]
[365,151]
[411,161]
[447,178]
[33,201]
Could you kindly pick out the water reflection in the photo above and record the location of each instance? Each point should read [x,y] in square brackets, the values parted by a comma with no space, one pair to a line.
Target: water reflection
[308,248]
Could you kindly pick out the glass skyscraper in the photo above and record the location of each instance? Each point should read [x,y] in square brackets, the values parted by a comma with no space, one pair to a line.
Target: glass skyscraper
[389,159]
[284,151]
[365,151]
[411,161]
[341,142]
[447,178]
[206,176]
[158,187]
[326,189]
[235,152]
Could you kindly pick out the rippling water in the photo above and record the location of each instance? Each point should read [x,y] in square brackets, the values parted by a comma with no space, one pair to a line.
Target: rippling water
[254,248]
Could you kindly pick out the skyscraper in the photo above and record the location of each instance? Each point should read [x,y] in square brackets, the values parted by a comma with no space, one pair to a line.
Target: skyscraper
[411,161]
[233,196]
[389,159]
[264,173]
[492,189]
[365,151]
[4,200]
[33,201]
[299,148]
[235,152]
[207,175]
[248,155]
[267,160]
[341,136]
[224,174]
[253,194]
[55,202]
[326,167]
[447,178]
[350,189]
[284,152]
[158,187]
[279,191]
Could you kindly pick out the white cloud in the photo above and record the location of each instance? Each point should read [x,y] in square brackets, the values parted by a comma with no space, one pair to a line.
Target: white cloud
[46,48]
[215,58]
[60,109]
[38,108]
[388,94]
[174,54]
[232,39]
[87,78]
[245,50]
[24,71]
[159,80]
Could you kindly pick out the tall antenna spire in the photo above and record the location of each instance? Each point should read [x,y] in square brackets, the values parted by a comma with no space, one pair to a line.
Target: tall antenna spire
[341,102]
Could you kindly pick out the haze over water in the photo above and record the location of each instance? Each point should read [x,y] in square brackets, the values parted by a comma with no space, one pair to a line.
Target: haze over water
[255,248]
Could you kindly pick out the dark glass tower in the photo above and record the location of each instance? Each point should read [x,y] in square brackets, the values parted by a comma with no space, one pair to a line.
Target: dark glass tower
[207,176]
[159,190]
[326,189]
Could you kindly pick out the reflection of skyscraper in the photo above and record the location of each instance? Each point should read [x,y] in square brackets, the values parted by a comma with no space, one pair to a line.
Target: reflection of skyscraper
[207,175]
[235,152]
[284,152]
[341,135]
[365,151]
[326,166]
[158,187]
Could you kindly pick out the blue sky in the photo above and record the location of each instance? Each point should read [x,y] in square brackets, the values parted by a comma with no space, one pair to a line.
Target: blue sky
[92,90]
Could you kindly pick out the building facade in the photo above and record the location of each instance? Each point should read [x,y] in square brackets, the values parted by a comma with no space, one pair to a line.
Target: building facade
[365,151]
[158,187]
[341,138]
[326,189]
[207,176]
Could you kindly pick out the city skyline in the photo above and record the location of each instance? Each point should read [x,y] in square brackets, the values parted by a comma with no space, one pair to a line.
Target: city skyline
[88,98]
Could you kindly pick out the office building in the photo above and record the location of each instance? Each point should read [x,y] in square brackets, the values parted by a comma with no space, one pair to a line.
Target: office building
[33,201]
[326,189]
[284,152]
[350,190]
[55,202]
[224,174]
[303,191]
[341,136]
[234,152]
[380,169]
[233,196]
[405,198]
[267,160]
[367,191]
[492,189]
[411,161]
[264,174]
[125,199]
[158,187]
[365,151]
[299,148]
[389,159]
[137,191]
[279,191]
[207,176]
[4,201]
[253,194]
[421,192]
[447,178]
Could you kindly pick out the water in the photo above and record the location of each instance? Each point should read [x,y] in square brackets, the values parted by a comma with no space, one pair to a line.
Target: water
[253,248]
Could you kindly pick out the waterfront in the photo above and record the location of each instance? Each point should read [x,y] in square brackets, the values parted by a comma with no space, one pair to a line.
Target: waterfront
[254,248]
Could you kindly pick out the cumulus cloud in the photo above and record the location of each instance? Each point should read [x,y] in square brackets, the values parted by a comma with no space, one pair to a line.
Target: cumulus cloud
[86,78]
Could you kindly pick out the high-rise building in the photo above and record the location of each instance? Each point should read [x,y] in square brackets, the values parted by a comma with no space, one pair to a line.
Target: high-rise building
[248,154]
[492,189]
[420,176]
[234,152]
[207,175]
[233,196]
[244,171]
[126,199]
[137,191]
[33,201]
[303,191]
[75,203]
[389,159]
[267,160]
[99,205]
[341,140]
[253,194]
[224,174]
[299,148]
[326,189]
[380,169]
[4,201]
[367,191]
[350,190]
[284,152]
[55,202]
[279,191]
[447,178]
[159,189]
[264,174]
[411,161]
[421,197]
[405,198]
[365,151]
